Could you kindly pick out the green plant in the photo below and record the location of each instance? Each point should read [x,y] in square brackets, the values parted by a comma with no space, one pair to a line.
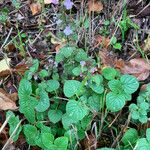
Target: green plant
[60,107]
[4,15]
[140,110]
[143,143]
[115,44]
[126,23]
[19,42]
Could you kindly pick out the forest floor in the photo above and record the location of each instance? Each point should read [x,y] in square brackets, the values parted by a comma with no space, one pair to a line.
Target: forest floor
[49,42]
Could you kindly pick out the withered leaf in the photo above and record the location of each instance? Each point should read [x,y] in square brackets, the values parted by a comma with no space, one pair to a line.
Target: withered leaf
[5,102]
[95,6]
[35,8]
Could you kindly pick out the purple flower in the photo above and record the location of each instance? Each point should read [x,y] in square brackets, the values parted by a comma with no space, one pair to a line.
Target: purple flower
[55,2]
[94,69]
[82,63]
[67,30]
[68,4]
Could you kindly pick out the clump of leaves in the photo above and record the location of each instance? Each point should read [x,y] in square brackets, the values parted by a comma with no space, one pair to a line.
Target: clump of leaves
[140,110]
[60,106]
[120,89]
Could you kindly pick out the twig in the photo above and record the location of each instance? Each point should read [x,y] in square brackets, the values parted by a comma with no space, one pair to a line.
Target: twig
[6,38]
[4,147]
[121,132]
[4,124]
[114,119]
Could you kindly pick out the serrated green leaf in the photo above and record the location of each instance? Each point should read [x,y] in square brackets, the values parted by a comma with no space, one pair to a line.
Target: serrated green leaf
[26,102]
[59,57]
[130,83]
[117,46]
[27,105]
[130,136]
[61,143]
[52,85]
[30,133]
[143,118]
[135,115]
[142,144]
[98,79]
[99,89]
[71,87]
[55,115]
[95,102]
[133,107]
[76,110]
[67,51]
[109,73]
[47,139]
[148,134]
[44,102]
[13,122]
[81,56]
[86,122]
[35,66]
[25,88]
[115,86]
[43,128]
[114,102]
[43,73]
[144,105]
[67,121]
[76,71]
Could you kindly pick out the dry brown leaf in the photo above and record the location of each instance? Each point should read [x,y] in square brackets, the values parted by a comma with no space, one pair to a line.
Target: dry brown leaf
[35,8]
[11,47]
[4,67]
[107,59]
[101,40]
[137,67]
[95,6]
[21,68]
[5,102]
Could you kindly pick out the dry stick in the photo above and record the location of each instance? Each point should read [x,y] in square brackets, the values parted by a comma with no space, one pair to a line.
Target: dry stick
[4,124]
[4,147]
[121,132]
[115,119]
[140,11]
[6,38]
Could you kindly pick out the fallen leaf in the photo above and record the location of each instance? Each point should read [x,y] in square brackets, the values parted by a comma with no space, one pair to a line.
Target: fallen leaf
[13,97]
[4,67]
[95,6]
[137,67]
[107,59]
[4,64]
[101,40]
[35,8]
[11,47]
[119,63]
[21,68]
[5,101]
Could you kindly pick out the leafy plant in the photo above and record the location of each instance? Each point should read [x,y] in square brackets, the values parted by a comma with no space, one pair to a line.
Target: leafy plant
[139,111]
[115,44]
[120,89]
[69,102]
[126,23]
[143,143]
